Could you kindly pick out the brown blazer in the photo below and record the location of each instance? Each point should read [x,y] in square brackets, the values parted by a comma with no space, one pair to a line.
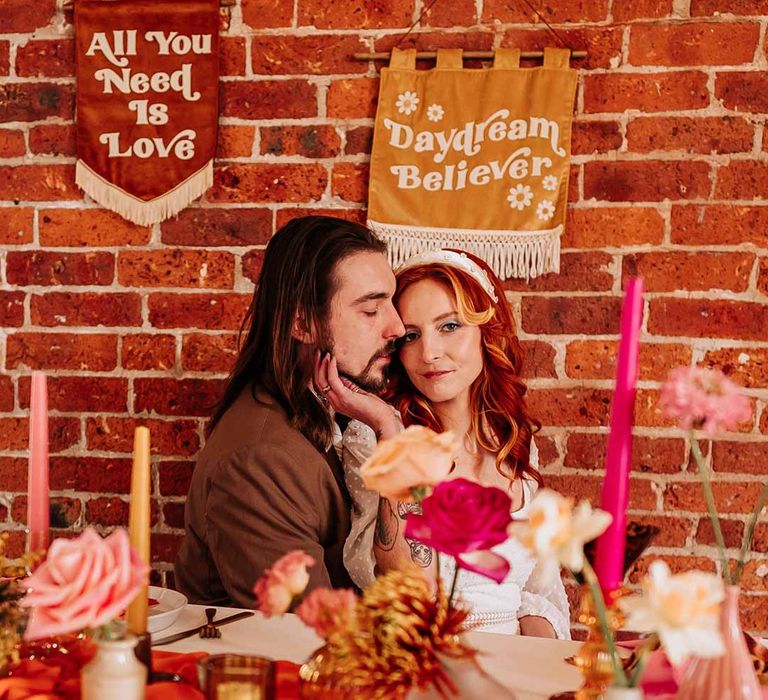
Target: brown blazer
[260,489]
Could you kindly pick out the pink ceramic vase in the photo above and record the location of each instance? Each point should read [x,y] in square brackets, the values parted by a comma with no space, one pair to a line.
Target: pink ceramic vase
[730,676]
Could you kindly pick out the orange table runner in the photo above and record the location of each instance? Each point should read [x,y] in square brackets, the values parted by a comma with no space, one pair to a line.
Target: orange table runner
[35,680]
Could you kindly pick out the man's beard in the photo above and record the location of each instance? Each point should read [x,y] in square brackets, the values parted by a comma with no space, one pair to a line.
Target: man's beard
[365,380]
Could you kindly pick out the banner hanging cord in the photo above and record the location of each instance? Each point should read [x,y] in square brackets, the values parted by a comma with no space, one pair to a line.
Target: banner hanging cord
[475,54]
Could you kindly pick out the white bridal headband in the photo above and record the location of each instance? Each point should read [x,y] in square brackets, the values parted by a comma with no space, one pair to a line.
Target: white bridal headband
[452,259]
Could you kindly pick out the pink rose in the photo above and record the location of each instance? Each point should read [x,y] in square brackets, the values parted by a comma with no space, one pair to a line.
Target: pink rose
[325,610]
[278,586]
[416,457]
[703,398]
[464,519]
[85,582]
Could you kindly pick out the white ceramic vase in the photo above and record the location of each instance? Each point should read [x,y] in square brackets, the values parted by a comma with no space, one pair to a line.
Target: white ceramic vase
[616,693]
[470,682]
[114,673]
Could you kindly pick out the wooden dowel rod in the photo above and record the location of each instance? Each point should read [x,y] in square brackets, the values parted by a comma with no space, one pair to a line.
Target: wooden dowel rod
[385,55]
[69,5]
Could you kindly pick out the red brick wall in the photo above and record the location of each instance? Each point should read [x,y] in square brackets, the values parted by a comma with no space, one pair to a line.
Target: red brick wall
[136,325]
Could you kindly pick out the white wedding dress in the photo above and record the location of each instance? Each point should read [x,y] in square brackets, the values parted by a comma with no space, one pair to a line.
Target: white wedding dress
[532,587]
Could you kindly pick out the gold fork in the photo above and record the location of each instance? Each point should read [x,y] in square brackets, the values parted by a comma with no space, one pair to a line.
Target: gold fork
[210,631]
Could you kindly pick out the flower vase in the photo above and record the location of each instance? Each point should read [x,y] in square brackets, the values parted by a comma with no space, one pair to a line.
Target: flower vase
[114,673]
[320,680]
[469,681]
[730,676]
[616,693]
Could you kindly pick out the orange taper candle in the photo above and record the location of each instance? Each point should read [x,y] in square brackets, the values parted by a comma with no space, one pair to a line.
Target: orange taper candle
[38,516]
[138,524]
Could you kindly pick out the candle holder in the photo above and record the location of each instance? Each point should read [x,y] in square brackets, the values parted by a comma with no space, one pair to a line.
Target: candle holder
[592,659]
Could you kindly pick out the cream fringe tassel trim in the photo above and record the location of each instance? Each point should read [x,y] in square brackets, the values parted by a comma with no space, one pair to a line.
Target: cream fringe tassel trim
[523,254]
[144,213]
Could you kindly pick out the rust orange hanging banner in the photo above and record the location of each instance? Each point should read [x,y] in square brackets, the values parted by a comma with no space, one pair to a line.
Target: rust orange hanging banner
[474,159]
[147,103]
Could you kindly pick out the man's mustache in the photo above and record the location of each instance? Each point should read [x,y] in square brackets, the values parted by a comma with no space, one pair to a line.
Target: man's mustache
[386,351]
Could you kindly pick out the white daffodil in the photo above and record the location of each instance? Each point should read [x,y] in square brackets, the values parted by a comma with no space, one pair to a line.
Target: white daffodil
[549,183]
[435,112]
[520,197]
[407,102]
[557,530]
[545,210]
[683,609]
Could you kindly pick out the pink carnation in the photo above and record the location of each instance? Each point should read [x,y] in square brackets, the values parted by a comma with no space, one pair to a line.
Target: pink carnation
[278,586]
[703,398]
[325,610]
[85,582]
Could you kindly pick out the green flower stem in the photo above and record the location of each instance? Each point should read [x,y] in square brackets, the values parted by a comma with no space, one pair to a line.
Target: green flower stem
[761,500]
[453,583]
[643,655]
[106,632]
[619,677]
[707,486]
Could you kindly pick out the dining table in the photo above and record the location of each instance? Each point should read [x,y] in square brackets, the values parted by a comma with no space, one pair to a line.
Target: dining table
[534,668]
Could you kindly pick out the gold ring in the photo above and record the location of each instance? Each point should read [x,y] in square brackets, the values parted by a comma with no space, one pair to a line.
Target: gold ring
[325,389]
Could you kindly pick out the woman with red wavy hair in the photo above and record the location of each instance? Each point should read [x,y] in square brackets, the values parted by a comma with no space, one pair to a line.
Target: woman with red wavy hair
[458,368]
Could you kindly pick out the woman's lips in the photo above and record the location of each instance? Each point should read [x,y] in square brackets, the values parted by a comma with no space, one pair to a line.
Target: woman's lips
[436,375]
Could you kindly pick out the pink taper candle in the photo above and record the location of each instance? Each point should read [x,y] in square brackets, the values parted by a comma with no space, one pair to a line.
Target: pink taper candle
[38,512]
[138,524]
[609,561]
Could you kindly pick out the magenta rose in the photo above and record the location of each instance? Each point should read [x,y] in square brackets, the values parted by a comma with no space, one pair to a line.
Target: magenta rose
[464,519]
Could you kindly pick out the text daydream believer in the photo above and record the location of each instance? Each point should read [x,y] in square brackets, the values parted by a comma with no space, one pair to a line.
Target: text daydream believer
[468,141]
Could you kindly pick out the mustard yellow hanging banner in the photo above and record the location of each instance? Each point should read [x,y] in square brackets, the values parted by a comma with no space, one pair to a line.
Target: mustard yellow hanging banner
[474,159]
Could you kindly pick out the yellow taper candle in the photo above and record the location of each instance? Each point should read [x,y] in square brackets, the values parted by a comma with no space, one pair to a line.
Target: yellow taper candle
[138,524]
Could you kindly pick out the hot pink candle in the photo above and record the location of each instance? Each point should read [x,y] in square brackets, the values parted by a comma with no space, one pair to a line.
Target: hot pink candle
[38,514]
[609,562]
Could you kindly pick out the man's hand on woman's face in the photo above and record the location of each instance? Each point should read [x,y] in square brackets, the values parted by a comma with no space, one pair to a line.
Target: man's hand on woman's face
[345,397]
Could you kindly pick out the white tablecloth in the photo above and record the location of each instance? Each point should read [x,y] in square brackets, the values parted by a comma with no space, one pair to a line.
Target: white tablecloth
[532,667]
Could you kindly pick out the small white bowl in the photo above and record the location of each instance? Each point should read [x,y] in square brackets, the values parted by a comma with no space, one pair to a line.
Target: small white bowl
[169,605]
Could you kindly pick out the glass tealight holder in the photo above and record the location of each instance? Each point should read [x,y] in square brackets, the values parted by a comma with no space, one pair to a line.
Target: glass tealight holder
[236,677]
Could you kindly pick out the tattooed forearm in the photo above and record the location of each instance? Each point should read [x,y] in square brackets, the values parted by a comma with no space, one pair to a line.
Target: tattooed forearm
[387,526]
[405,507]
[421,554]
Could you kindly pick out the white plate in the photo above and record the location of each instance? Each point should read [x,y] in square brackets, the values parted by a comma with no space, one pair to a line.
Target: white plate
[170,603]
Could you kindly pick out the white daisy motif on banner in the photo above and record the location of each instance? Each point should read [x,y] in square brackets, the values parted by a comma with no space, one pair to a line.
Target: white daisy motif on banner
[549,183]
[520,197]
[435,112]
[407,102]
[545,210]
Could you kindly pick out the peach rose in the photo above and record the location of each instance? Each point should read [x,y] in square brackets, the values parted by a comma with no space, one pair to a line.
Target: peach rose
[416,457]
[325,610]
[278,586]
[85,582]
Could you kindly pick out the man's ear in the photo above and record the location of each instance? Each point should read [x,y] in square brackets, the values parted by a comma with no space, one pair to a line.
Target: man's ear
[301,330]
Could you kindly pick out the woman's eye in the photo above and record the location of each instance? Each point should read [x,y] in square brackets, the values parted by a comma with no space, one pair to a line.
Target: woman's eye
[371,314]
[450,326]
[408,338]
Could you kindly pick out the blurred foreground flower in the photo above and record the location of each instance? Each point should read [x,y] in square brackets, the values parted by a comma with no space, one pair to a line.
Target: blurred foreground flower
[84,582]
[555,529]
[278,586]
[683,609]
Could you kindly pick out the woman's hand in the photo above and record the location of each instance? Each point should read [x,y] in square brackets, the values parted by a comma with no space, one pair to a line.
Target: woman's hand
[534,626]
[347,398]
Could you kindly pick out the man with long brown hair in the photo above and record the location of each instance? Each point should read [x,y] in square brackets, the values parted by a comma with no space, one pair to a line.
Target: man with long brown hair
[269,479]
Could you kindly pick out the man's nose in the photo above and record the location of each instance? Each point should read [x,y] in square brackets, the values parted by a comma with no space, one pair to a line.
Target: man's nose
[394,328]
